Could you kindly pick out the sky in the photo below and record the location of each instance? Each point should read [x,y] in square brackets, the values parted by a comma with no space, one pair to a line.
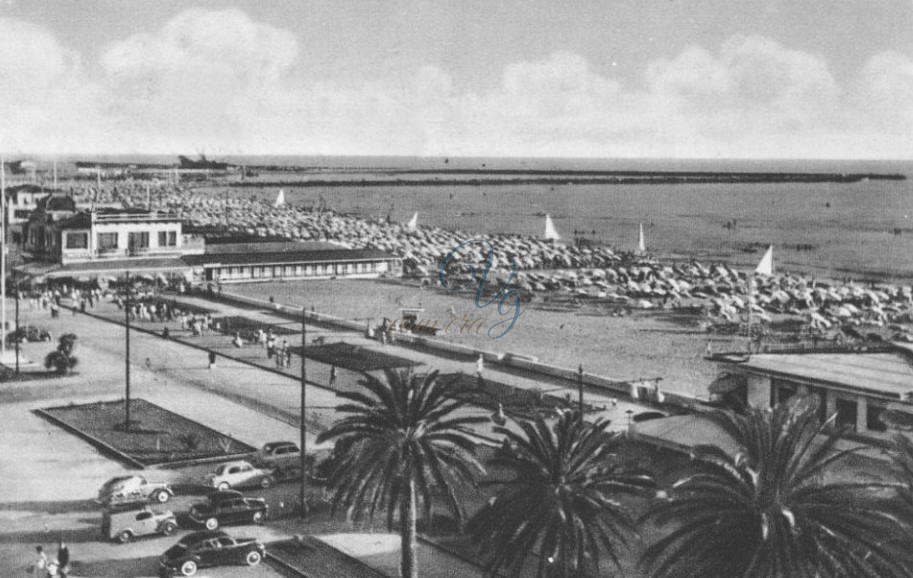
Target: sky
[582,78]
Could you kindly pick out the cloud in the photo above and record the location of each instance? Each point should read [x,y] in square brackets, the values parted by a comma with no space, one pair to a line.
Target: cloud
[220,81]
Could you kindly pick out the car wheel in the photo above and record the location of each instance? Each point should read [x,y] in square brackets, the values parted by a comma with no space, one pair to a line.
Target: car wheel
[162,496]
[266,482]
[224,486]
[253,558]
[124,537]
[169,528]
[189,568]
[212,523]
[257,518]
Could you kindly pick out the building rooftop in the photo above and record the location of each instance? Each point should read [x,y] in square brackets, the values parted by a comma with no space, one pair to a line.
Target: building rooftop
[269,257]
[887,371]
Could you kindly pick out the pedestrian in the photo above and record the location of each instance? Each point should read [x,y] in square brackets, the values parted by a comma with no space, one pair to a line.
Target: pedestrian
[63,560]
[55,311]
[212,359]
[82,305]
[288,357]
[332,375]
[237,340]
[39,568]
[480,365]
[165,333]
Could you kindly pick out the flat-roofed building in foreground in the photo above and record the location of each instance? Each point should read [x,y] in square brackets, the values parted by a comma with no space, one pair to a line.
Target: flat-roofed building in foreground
[870,390]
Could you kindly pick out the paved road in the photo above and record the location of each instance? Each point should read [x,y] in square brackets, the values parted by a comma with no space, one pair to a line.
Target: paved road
[50,476]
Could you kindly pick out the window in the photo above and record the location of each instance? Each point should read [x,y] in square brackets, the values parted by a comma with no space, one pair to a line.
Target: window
[308,270]
[77,240]
[138,241]
[846,414]
[168,238]
[107,241]
[873,415]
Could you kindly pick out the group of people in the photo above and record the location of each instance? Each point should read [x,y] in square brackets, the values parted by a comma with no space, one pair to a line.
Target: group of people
[43,567]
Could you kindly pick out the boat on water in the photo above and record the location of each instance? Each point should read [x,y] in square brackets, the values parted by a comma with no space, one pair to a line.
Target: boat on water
[551,233]
[413,222]
[280,199]
[641,243]
[202,164]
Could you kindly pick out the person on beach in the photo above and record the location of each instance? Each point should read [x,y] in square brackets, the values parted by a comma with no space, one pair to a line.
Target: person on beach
[39,568]
[332,375]
[63,560]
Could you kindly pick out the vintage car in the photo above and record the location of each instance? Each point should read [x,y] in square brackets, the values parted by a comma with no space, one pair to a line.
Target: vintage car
[206,549]
[228,507]
[239,474]
[279,456]
[30,333]
[125,524]
[131,489]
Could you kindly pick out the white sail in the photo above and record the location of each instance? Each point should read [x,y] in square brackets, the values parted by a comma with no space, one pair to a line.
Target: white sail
[280,199]
[413,222]
[766,266]
[641,243]
[551,233]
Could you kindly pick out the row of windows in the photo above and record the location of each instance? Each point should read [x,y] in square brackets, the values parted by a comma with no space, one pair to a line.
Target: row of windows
[299,270]
[847,408]
[108,241]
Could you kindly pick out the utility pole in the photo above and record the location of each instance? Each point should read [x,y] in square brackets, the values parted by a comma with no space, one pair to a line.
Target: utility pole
[3,258]
[17,327]
[304,508]
[127,357]
[580,391]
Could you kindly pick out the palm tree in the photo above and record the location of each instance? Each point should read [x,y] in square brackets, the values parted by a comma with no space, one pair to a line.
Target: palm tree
[561,504]
[767,511]
[397,447]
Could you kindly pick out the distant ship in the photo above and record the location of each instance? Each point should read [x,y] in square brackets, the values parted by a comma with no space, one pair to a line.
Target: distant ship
[202,164]
[280,199]
[413,223]
[551,233]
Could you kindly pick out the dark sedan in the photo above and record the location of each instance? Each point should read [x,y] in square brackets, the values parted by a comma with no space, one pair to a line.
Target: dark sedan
[228,507]
[207,549]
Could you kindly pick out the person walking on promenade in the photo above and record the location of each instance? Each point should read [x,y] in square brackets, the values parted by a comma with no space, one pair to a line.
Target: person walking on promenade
[212,359]
[63,560]
[39,568]
[237,341]
[288,356]
[480,366]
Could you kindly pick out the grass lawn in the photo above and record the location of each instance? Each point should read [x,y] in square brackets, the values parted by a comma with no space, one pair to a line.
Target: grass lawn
[353,357]
[156,436]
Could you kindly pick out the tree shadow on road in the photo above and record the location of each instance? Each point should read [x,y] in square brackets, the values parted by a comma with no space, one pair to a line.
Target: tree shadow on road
[123,568]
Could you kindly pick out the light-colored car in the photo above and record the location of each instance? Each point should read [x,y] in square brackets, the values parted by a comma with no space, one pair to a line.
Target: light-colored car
[125,525]
[132,489]
[239,474]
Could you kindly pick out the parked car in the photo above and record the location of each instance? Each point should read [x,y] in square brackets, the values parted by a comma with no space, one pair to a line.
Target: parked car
[131,489]
[124,525]
[279,456]
[206,549]
[228,507]
[239,474]
[30,333]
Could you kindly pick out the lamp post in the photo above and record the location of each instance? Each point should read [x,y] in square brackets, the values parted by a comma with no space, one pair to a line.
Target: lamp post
[580,391]
[16,334]
[303,408]
[127,356]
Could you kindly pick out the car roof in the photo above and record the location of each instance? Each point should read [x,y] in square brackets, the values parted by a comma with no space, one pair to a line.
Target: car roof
[234,463]
[202,535]
[219,495]
[273,445]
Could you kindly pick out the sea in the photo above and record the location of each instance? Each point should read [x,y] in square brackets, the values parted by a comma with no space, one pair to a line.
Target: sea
[860,231]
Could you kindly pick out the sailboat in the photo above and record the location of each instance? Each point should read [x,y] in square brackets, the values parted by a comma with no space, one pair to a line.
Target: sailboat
[641,244]
[413,222]
[551,233]
[280,199]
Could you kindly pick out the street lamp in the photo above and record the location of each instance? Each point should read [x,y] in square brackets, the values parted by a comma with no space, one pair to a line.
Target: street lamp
[303,428]
[127,355]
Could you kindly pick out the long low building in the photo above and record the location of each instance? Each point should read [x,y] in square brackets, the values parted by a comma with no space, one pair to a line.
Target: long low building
[252,262]
[870,391]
